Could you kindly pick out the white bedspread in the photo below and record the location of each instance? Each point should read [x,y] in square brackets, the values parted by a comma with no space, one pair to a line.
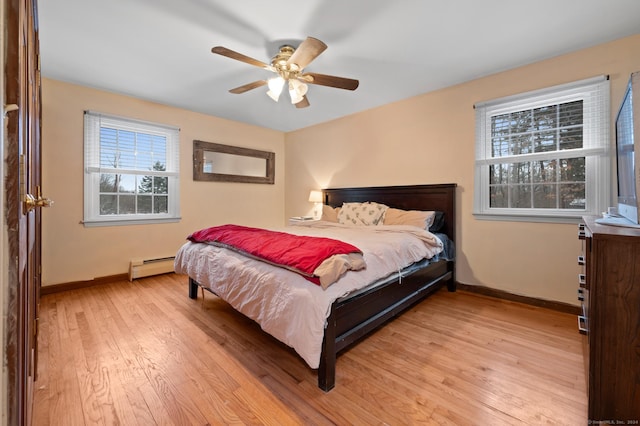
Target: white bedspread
[287,306]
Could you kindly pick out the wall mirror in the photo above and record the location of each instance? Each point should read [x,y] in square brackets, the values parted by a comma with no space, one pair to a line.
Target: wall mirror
[226,163]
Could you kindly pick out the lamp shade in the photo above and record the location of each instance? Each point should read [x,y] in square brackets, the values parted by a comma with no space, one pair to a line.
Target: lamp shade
[275,87]
[297,90]
[315,196]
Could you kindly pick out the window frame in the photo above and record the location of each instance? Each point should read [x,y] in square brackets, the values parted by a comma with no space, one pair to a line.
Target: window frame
[93,121]
[594,93]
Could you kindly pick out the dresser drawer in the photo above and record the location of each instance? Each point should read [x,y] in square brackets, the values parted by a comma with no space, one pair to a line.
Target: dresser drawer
[609,286]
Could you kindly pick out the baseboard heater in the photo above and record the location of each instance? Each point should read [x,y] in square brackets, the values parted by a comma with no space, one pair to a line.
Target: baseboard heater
[140,268]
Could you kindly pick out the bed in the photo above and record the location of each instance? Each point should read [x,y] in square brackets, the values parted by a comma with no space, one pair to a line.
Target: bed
[351,316]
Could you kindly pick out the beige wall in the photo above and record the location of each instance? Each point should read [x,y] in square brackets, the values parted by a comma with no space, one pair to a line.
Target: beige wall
[430,139]
[425,139]
[71,252]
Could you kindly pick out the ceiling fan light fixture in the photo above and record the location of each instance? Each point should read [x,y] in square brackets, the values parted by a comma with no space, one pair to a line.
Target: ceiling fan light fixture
[273,96]
[275,87]
[295,98]
[288,65]
[297,90]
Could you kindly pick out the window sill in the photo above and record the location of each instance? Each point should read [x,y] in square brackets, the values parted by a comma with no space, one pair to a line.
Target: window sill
[572,218]
[125,222]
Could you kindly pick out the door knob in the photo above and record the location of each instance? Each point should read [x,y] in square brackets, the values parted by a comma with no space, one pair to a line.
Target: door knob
[31,202]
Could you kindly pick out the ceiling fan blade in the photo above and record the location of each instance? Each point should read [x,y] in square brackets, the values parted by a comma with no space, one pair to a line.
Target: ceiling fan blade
[240,57]
[249,86]
[303,103]
[330,80]
[308,50]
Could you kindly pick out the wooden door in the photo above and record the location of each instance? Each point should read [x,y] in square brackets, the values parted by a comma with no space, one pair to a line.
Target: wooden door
[23,197]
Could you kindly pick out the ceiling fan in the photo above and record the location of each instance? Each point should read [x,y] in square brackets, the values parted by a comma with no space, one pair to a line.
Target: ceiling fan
[289,64]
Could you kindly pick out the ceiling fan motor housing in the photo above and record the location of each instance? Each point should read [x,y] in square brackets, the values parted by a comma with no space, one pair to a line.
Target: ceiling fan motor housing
[279,63]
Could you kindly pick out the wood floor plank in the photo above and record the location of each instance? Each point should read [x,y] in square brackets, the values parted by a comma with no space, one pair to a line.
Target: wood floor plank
[41,393]
[146,406]
[406,376]
[151,354]
[506,374]
[65,396]
[120,401]
[197,364]
[144,353]
[512,357]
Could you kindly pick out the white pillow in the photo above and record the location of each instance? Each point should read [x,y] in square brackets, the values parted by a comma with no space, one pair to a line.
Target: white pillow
[329,214]
[419,218]
[366,214]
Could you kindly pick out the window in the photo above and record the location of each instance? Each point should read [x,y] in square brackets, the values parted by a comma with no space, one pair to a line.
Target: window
[543,155]
[131,171]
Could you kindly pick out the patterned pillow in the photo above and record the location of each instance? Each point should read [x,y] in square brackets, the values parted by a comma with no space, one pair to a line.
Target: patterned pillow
[367,214]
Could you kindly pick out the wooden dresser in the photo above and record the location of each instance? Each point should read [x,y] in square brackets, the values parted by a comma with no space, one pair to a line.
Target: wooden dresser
[610,320]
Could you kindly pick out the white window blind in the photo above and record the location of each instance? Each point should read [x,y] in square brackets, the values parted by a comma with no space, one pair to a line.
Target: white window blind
[545,154]
[131,171]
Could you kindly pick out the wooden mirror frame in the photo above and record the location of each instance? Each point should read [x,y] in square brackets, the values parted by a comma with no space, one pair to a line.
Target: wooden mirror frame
[200,147]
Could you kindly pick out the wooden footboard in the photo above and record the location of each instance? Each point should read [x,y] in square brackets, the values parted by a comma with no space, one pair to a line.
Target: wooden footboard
[353,318]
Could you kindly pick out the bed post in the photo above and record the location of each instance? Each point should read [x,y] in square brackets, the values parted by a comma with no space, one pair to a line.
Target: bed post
[327,368]
[452,284]
[193,288]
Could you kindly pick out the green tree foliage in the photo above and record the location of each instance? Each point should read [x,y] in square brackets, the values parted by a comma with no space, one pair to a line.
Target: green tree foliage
[154,184]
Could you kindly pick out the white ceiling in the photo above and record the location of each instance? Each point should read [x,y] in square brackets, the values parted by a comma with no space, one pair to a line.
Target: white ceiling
[160,50]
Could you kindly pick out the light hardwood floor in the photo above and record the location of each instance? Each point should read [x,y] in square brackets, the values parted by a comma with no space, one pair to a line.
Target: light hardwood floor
[144,353]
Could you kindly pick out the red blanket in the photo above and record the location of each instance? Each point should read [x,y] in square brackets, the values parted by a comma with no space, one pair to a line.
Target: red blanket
[301,254]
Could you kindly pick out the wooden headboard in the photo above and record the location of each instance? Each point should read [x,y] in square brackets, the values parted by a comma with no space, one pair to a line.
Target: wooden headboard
[439,197]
